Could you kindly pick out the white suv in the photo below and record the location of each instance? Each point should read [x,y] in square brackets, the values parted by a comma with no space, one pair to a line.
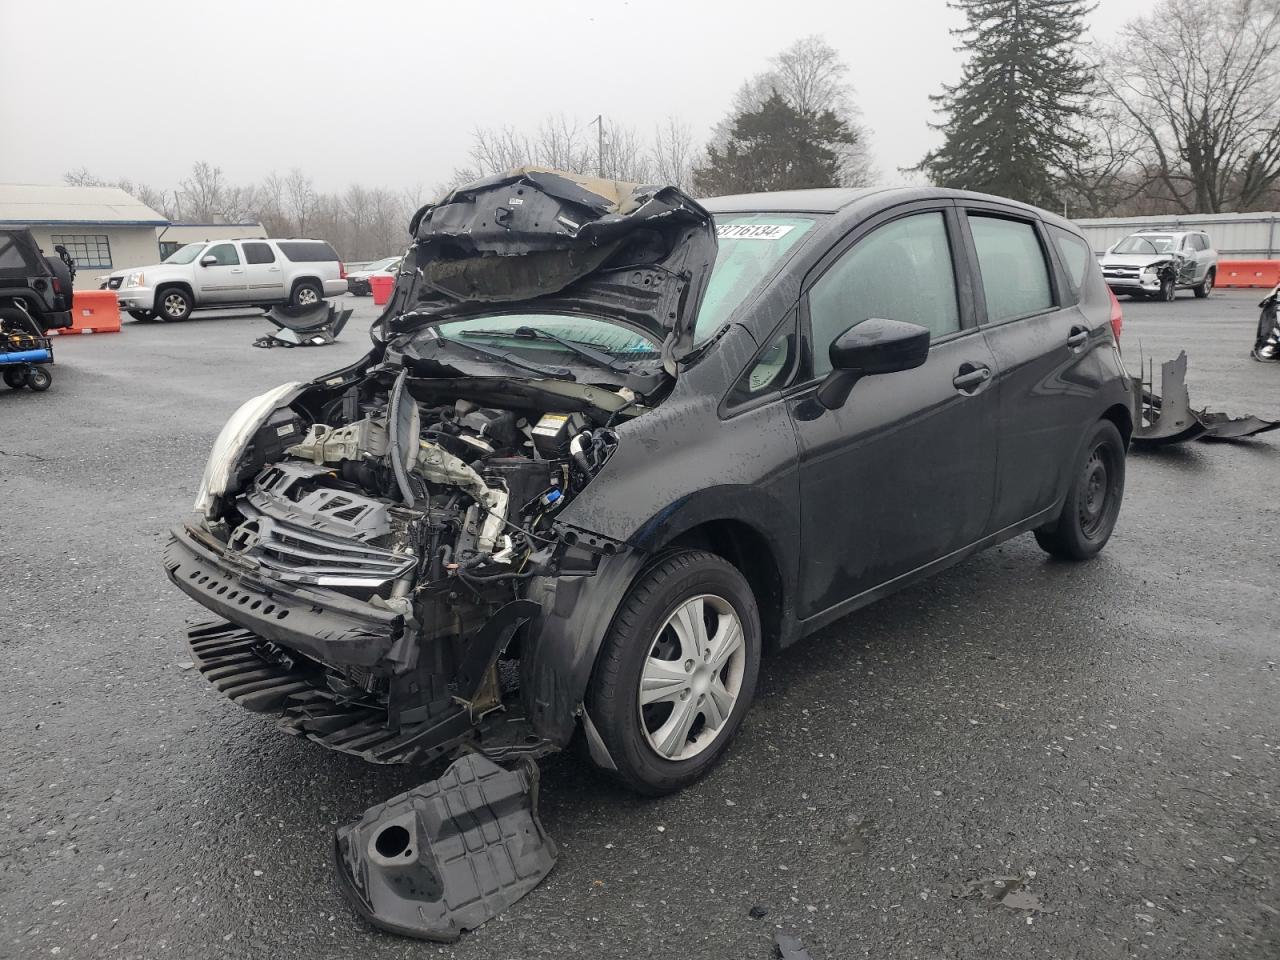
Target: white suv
[1159,263]
[230,273]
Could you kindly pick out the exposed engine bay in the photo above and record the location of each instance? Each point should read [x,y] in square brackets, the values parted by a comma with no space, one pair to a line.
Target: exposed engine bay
[433,514]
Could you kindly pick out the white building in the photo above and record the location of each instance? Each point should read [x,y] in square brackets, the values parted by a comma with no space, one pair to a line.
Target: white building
[103,228]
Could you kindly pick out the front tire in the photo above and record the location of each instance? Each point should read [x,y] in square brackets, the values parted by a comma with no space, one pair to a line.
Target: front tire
[39,379]
[307,294]
[1093,501]
[677,671]
[1168,289]
[1205,286]
[173,303]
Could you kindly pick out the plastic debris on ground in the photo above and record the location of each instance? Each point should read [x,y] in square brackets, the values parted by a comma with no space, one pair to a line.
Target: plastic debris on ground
[448,855]
[312,326]
[1168,418]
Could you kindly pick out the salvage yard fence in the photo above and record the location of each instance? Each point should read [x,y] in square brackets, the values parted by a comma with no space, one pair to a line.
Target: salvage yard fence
[1236,236]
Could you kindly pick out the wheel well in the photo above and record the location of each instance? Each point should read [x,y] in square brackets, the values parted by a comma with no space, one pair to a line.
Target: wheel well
[185,288]
[1123,419]
[747,549]
[301,280]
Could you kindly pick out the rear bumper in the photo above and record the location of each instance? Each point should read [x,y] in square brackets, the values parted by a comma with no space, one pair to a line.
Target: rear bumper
[335,288]
[324,626]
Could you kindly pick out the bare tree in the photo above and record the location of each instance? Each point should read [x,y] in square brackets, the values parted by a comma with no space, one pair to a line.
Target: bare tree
[301,200]
[673,154]
[1199,84]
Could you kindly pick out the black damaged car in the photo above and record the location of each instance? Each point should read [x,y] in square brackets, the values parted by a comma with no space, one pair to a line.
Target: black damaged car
[611,443]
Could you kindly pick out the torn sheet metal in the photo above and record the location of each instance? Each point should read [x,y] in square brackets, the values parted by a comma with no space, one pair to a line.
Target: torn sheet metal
[1167,418]
[313,326]
[446,856]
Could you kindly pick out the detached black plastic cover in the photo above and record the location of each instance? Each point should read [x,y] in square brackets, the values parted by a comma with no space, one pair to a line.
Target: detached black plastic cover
[448,855]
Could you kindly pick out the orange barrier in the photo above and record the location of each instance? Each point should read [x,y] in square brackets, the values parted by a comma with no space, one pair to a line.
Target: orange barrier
[1248,273]
[381,286]
[93,311]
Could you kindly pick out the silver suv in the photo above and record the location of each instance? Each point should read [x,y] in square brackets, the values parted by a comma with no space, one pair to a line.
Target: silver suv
[1159,263]
[230,273]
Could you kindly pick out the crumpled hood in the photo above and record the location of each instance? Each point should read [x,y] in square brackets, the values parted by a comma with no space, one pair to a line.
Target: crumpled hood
[1135,259]
[545,241]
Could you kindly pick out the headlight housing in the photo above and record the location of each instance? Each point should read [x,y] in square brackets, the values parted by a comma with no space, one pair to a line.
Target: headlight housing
[135,279]
[233,440]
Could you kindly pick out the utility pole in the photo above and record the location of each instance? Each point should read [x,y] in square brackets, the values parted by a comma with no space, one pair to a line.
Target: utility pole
[599,122]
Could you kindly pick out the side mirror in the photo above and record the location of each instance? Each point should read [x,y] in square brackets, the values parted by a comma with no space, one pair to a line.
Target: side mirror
[869,348]
[209,261]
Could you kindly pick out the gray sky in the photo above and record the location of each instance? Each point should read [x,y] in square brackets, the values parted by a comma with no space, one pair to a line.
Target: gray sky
[387,94]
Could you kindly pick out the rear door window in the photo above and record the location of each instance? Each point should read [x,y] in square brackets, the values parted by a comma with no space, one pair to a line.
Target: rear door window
[1015,274]
[258,253]
[307,251]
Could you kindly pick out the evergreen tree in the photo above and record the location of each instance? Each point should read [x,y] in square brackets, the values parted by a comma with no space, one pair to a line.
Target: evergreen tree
[776,147]
[1014,119]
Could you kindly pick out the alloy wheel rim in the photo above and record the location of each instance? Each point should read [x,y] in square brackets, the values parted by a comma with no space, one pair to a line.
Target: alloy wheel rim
[692,677]
[306,296]
[174,305]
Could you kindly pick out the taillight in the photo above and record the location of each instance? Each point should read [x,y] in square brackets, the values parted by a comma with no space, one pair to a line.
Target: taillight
[342,270]
[57,285]
[1117,316]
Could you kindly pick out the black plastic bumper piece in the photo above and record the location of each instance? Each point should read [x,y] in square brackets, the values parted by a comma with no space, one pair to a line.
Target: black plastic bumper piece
[446,856]
[324,626]
[230,657]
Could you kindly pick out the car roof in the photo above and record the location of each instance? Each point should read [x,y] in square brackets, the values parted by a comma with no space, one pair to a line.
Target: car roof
[836,199]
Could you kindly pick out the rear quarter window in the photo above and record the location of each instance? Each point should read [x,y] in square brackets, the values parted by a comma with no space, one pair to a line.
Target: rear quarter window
[1074,253]
[307,251]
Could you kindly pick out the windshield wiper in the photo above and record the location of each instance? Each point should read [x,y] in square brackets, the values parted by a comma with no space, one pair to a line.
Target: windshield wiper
[533,333]
[555,373]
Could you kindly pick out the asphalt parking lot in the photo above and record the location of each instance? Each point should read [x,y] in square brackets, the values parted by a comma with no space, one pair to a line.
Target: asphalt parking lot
[1109,734]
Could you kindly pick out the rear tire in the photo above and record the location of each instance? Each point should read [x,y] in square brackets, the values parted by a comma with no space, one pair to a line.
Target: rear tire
[1093,501]
[688,633]
[1205,286]
[307,294]
[15,378]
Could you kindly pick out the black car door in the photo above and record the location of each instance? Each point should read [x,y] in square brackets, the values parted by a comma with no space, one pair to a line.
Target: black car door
[1046,375]
[903,473]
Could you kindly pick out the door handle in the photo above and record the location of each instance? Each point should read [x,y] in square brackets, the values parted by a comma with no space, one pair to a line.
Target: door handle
[970,377]
[1078,337]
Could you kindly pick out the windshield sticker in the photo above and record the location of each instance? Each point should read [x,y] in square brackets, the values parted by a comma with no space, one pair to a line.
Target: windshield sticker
[753,231]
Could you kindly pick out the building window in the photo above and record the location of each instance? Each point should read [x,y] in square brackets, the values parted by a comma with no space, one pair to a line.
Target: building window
[90,251]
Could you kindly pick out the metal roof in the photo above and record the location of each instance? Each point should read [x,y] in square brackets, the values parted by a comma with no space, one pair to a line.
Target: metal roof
[40,204]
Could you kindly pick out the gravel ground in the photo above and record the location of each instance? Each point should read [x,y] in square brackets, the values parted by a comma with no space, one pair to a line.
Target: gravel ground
[1107,733]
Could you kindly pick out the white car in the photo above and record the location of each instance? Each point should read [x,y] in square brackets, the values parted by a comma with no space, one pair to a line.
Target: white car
[230,273]
[1159,263]
[358,280]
